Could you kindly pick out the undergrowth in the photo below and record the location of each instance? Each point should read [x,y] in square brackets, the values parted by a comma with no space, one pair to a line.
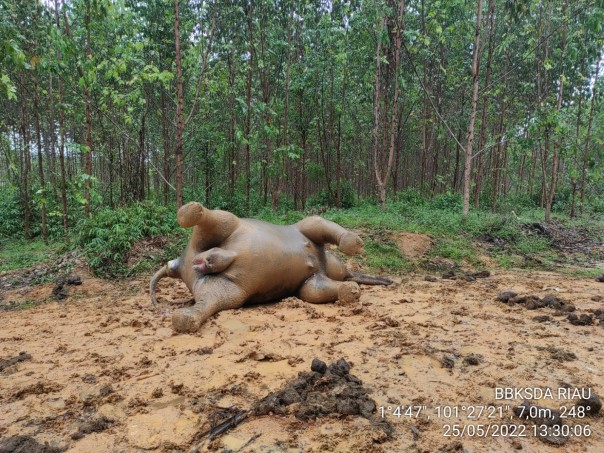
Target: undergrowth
[108,237]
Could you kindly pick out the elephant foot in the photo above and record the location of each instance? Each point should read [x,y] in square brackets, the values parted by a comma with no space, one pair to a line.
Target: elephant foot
[190,214]
[187,320]
[349,293]
[351,244]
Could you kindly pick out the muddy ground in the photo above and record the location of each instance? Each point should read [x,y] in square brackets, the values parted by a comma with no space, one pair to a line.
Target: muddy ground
[99,371]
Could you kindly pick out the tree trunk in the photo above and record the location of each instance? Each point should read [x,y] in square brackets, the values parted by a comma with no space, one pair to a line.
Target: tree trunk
[389,129]
[588,136]
[179,107]
[62,139]
[485,103]
[142,158]
[248,103]
[555,158]
[475,80]
[25,165]
[497,157]
[88,112]
[39,140]
[165,131]
[53,138]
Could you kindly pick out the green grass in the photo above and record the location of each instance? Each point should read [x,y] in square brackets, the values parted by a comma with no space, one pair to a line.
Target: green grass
[23,254]
[590,273]
[385,256]
[458,249]
[26,305]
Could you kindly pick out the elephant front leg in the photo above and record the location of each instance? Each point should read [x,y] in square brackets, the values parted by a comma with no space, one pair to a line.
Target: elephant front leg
[322,231]
[320,289]
[212,295]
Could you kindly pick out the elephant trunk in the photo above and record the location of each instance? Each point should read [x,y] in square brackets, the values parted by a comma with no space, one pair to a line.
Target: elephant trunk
[368,279]
[163,272]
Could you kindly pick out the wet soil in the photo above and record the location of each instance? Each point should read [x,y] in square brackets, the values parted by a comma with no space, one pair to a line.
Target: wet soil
[106,373]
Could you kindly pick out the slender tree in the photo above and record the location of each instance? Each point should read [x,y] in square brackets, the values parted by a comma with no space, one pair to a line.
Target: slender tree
[473,108]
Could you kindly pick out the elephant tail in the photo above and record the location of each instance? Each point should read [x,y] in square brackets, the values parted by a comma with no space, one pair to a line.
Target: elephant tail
[163,272]
[368,279]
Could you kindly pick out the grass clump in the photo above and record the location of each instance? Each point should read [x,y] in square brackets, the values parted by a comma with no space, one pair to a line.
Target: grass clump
[384,256]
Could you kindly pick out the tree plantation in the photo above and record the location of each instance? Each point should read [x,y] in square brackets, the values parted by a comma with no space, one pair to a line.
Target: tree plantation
[301,104]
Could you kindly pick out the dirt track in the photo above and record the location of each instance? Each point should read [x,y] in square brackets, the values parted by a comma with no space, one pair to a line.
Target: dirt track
[107,374]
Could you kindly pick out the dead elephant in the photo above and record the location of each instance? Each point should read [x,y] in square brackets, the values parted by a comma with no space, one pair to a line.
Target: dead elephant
[231,261]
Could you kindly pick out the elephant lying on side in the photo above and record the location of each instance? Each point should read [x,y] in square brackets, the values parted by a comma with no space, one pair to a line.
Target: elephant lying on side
[231,261]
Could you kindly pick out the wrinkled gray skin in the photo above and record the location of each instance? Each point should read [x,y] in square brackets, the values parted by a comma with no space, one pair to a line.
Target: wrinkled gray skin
[231,261]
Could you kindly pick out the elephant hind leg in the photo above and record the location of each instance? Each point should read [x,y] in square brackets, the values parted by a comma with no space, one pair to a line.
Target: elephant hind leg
[320,289]
[212,295]
[322,231]
[335,269]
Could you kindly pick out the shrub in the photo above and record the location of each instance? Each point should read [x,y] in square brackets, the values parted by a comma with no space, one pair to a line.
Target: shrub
[450,201]
[109,234]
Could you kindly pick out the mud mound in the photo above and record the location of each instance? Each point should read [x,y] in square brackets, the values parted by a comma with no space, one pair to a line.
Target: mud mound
[147,249]
[26,444]
[326,390]
[413,245]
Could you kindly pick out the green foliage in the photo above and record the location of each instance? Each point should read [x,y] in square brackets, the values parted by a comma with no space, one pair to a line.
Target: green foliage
[107,237]
[324,199]
[18,254]
[448,201]
[11,215]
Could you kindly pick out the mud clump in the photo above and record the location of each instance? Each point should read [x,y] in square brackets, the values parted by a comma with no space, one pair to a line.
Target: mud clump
[556,303]
[27,444]
[326,390]
[318,366]
[473,359]
[561,355]
[533,302]
[592,404]
[14,360]
[96,425]
[581,320]
[448,361]
[466,276]
[39,388]
[60,291]
[454,447]
[506,296]
[542,318]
